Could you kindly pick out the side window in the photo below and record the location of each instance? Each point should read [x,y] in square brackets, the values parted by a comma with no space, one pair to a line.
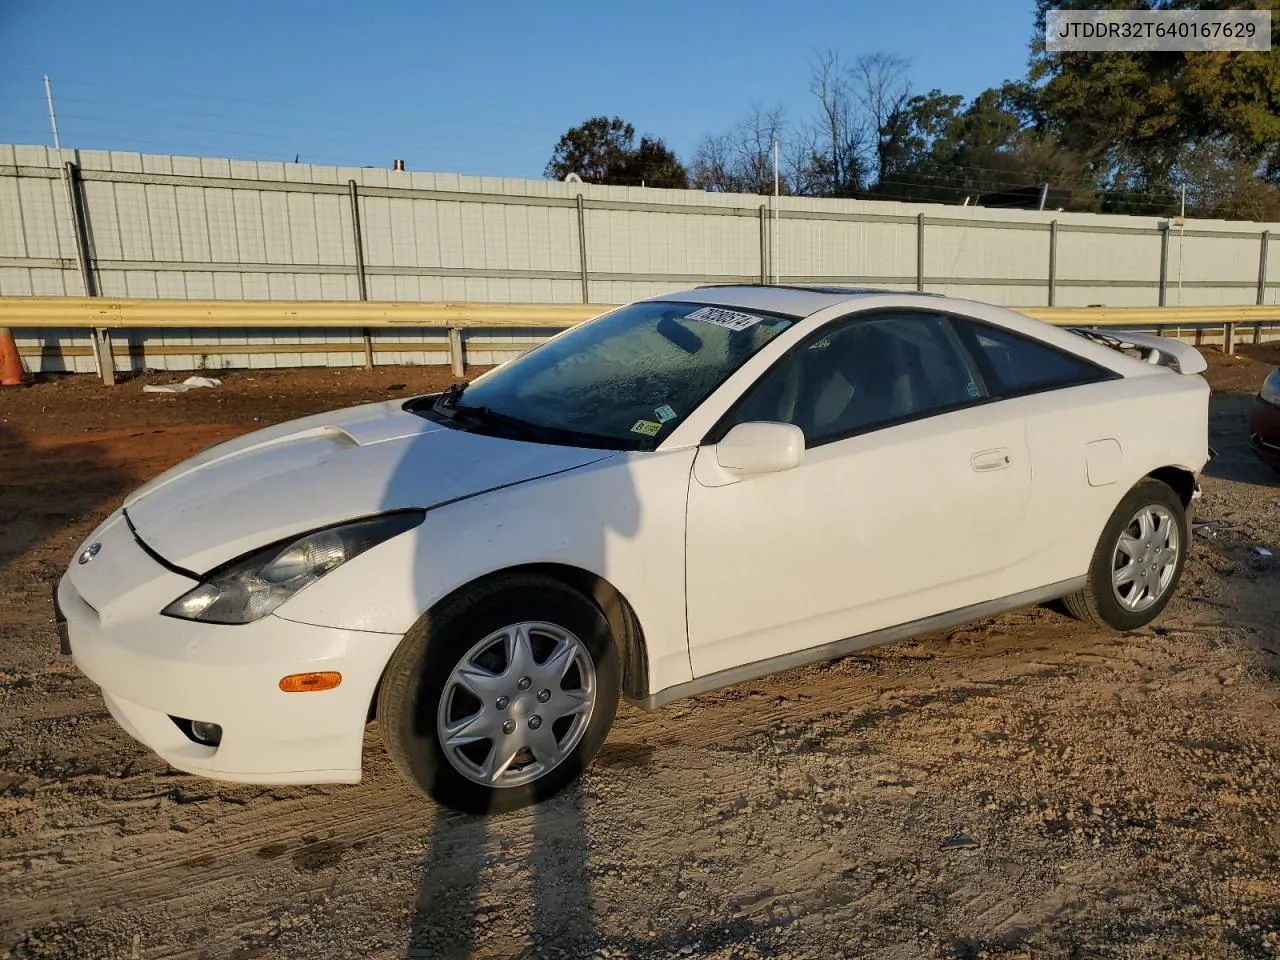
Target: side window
[864,373]
[1015,364]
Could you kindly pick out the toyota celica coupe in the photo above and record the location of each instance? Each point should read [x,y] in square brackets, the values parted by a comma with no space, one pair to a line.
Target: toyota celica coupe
[687,492]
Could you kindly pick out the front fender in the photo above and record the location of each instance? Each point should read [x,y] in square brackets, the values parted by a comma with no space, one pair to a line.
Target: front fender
[622,520]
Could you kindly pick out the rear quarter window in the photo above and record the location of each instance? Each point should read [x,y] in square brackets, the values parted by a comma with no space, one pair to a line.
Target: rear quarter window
[1014,364]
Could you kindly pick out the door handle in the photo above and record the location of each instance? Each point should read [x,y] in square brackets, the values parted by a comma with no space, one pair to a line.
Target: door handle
[985,461]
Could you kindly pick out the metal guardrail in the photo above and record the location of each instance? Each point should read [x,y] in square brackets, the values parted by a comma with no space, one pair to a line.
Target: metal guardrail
[102,314]
[113,313]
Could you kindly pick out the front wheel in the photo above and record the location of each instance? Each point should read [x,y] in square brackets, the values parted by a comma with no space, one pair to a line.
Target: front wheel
[501,695]
[1137,561]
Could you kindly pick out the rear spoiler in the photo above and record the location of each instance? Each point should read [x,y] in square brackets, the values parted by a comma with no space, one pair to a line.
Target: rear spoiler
[1158,351]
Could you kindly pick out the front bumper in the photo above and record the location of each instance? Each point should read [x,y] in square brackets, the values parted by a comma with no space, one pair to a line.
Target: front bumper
[1264,432]
[156,670]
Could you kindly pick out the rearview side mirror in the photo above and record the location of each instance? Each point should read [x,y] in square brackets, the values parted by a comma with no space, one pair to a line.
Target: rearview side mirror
[761,447]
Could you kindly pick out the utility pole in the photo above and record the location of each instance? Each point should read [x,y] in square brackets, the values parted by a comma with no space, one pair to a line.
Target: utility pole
[773,247]
[57,145]
[1182,236]
[62,165]
[100,345]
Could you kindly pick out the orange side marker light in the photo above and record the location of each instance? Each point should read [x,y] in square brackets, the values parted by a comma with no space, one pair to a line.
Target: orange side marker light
[310,682]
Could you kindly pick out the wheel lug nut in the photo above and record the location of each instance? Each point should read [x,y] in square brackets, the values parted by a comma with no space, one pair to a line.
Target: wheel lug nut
[509,727]
[544,696]
[524,683]
[502,703]
[535,722]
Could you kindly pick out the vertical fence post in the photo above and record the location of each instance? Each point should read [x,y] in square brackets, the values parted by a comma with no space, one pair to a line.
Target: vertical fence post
[1164,261]
[582,250]
[80,226]
[1053,261]
[764,244]
[102,355]
[920,252]
[1262,267]
[1228,338]
[457,359]
[357,238]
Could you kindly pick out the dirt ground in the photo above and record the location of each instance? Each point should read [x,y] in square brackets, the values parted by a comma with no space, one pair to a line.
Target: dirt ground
[1020,788]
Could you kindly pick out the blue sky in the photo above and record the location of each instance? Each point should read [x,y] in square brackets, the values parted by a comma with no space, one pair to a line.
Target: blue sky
[478,88]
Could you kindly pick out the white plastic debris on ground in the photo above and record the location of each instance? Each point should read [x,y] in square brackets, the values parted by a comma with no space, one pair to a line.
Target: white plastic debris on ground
[191,383]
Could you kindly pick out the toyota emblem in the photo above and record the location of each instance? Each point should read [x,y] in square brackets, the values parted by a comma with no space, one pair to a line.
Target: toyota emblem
[89,552]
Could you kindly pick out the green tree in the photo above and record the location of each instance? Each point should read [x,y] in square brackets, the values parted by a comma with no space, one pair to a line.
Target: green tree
[937,149]
[603,150]
[1143,120]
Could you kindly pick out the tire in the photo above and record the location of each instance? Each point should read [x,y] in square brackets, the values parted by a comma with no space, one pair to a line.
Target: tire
[426,694]
[1139,600]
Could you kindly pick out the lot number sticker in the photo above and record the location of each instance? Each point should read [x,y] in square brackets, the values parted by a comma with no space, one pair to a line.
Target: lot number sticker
[729,319]
[647,427]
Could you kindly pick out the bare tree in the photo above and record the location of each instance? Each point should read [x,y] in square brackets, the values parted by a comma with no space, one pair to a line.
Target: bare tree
[805,164]
[838,142]
[880,86]
[757,135]
[713,165]
[741,160]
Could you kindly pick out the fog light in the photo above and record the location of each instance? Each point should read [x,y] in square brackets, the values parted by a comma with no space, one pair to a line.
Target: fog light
[210,734]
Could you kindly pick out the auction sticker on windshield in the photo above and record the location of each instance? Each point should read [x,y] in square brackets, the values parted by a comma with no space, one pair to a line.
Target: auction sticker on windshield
[730,319]
[647,427]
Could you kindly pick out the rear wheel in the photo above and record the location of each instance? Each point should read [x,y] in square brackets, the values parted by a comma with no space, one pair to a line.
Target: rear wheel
[502,695]
[1137,561]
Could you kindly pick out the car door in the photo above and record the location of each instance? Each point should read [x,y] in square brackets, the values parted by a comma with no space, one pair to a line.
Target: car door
[1075,439]
[909,497]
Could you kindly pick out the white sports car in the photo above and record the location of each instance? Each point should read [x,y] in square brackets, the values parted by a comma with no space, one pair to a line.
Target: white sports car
[687,492]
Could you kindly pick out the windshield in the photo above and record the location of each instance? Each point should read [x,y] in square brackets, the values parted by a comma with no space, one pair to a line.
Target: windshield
[622,381]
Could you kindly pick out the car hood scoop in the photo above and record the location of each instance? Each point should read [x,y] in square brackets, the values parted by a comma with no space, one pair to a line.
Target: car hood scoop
[245,493]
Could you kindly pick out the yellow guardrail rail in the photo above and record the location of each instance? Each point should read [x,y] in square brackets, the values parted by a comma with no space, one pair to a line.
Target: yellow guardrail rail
[101,314]
[1152,316]
[114,313]
[117,313]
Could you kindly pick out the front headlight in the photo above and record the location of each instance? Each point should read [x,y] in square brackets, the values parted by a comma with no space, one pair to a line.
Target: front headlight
[252,587]
[1270,391]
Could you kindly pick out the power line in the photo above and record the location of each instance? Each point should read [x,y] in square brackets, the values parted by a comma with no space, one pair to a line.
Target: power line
[288,135]
[287,107]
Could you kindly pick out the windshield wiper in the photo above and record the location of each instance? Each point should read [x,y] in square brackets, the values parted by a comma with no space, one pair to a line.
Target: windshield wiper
[534,432]
[447,403]
[489,415]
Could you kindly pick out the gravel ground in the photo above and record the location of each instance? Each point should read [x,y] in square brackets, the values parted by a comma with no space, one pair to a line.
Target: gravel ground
[1023,787]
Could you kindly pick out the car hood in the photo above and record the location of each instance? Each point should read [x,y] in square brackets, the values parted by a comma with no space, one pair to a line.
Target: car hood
[242,494]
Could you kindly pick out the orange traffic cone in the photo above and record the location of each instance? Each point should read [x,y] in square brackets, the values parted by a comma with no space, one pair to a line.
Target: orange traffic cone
[11,370]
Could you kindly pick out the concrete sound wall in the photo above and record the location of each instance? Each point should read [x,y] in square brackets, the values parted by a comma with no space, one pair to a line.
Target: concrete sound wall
[214,228]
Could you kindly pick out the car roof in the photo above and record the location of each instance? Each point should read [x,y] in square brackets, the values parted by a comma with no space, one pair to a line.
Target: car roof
[794,300]
[800,301]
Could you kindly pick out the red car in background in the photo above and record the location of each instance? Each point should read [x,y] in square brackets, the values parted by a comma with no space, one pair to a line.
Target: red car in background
[1264,423]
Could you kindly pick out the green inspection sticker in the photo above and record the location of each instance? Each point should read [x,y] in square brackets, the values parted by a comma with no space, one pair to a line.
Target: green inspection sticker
[647,427]
[665,413]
